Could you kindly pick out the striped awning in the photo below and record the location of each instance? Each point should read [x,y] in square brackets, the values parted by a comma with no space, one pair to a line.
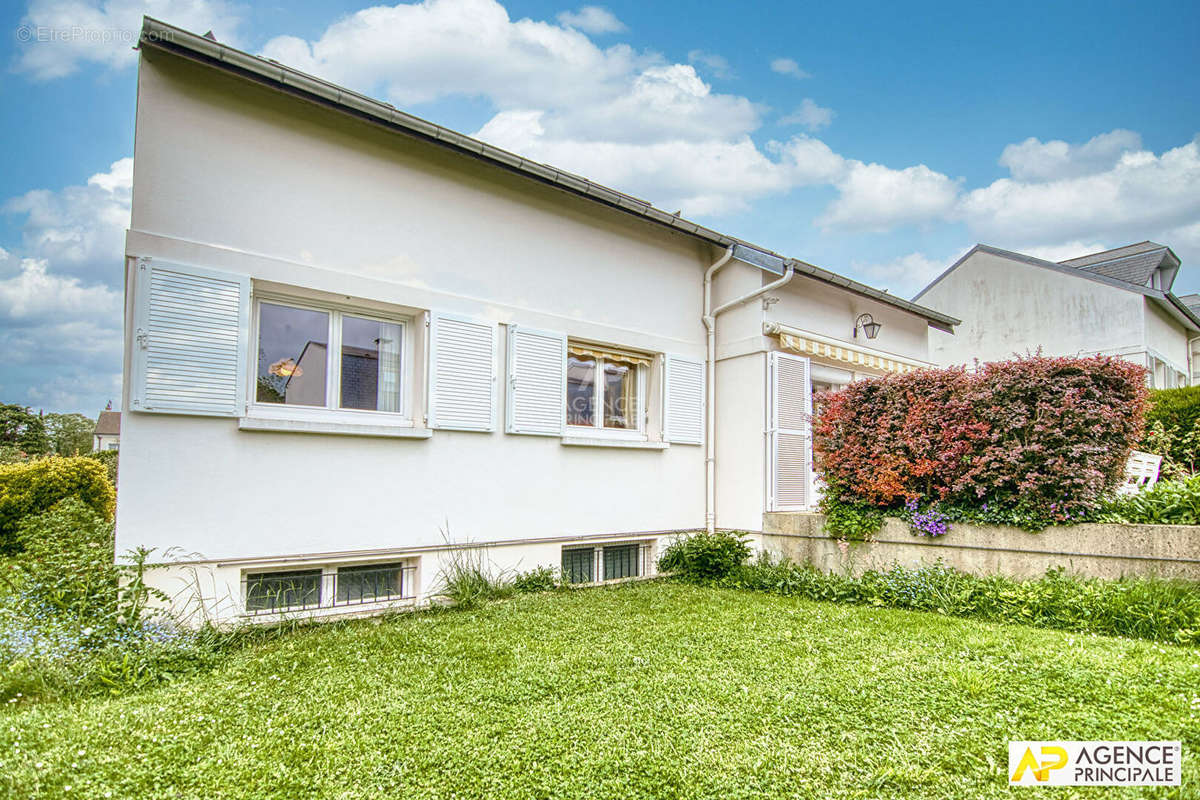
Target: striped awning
[807,343]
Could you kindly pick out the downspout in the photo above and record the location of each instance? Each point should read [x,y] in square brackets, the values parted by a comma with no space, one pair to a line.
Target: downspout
[710,325]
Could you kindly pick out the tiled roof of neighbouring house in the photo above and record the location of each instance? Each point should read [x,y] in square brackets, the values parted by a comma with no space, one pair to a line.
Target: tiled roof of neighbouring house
[109,424]
[1192,301]
[1133,263]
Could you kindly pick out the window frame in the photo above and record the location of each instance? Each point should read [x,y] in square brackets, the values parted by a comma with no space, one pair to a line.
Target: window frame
[332,410]
[643,560]
[597,428]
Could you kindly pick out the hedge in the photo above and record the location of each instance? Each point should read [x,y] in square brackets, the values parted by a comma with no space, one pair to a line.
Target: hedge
[1046,436]
[1172,430]
[35,487]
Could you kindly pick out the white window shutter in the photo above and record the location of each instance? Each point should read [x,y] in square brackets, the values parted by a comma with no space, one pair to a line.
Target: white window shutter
[191,340]
[462,373]
[537,381]
[789,432]
[683,417]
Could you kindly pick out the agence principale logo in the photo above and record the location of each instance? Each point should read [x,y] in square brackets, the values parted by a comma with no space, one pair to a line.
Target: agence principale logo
[1094,763]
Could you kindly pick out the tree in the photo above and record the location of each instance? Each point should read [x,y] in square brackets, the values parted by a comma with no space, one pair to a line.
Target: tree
[70,434]
[21,428]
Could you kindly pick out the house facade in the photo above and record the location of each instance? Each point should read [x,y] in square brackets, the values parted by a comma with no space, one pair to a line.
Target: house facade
[1117,302]
[107,433]
[360,346]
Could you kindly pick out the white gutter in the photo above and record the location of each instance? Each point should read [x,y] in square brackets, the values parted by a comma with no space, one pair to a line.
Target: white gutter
[710,325]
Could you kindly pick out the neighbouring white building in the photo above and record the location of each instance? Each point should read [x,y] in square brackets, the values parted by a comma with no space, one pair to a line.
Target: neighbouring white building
[1117,302]
[107,433]
[358,343]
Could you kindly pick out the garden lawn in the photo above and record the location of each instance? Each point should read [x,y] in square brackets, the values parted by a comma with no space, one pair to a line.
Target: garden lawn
[643,690]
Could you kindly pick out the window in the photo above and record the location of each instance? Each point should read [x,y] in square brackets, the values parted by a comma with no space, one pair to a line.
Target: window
[329,586]
[577,565]
[275,591]
[325,358]
[370,583]
[112,446]
[620,561]
[617,561]
[605,388]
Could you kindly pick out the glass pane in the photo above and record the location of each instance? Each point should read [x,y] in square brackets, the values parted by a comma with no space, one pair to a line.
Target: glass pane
[620,561]
[292,354]
[370,365]
[368,583]
[577,565]
[581,391]
[620,395]
[274,590]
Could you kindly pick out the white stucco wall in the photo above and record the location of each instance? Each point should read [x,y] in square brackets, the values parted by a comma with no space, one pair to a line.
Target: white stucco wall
[1008,307]
[1166,338]
[231,176]
[234,177]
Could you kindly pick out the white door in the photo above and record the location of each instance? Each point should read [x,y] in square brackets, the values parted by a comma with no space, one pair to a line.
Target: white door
[789,433]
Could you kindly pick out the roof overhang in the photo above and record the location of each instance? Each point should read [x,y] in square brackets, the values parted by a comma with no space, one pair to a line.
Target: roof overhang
[159,35]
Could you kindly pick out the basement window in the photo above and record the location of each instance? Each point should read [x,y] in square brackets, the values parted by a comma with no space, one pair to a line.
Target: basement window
[277,591]
[605,563]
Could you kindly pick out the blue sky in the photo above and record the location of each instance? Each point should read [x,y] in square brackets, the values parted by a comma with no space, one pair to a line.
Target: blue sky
[880,140]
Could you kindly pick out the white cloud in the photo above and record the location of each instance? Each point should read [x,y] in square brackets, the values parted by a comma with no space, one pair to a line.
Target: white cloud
[1141,196]
[441,48]
[1063,251]
[872,197]
[906,275]
[788,66]
[592,19]
[80,230]
[713,64]
[810,115]
[59,36]
[60,302]
[1033,160]
[33,294]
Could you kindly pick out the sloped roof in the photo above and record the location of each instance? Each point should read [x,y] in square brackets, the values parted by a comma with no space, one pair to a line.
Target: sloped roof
[1192,301]
[268,72]
[1133,263]
[1165,300]
[109,424]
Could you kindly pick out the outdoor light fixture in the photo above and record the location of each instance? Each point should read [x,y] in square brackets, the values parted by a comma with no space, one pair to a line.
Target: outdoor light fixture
[868,324]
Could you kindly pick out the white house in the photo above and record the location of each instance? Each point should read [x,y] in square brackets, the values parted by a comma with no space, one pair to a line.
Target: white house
[1117,302]
[358,344]
[107,433]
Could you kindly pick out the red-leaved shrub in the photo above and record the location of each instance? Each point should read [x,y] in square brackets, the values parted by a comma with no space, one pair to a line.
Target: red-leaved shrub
[1047,435]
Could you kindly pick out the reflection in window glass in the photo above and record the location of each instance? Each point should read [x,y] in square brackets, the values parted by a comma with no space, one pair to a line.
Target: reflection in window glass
[620,395]
[370,364]
[292,355]
[581,390]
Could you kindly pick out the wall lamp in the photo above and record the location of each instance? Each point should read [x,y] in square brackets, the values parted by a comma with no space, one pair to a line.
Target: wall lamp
[868,324]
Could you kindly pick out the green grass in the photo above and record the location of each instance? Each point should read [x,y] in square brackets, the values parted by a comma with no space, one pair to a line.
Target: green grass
[644,690]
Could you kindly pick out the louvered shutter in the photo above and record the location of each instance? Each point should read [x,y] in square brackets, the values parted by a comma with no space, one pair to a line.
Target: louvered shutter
[462,373]
[789,432]
[537,381]
[191,340]
[684,398]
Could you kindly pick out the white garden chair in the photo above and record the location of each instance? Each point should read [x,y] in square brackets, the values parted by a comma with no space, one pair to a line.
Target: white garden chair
[1141,472]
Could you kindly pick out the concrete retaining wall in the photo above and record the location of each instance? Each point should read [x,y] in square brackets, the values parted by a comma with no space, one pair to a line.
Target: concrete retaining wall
[1099,550]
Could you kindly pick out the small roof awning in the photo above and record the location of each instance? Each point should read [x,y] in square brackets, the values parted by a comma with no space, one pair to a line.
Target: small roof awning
[807,343]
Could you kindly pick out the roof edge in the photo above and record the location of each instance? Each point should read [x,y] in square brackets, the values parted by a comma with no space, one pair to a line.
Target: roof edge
[1172,304]
[169,38]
